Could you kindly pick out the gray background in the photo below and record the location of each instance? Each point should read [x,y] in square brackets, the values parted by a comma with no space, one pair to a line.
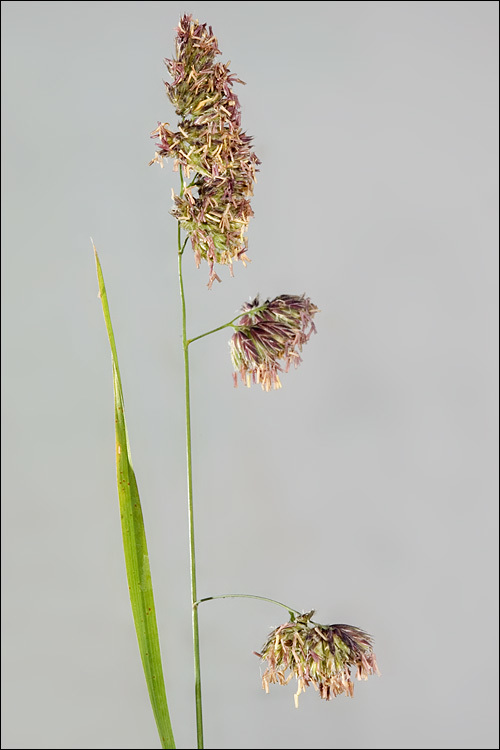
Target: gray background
[366,487]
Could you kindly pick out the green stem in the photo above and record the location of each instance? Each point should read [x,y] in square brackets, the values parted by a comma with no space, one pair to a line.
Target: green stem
[192,555]
[249,596]
[214,330]
[226,325]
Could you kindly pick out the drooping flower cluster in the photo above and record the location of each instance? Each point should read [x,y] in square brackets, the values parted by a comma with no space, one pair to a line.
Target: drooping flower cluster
[214,207]
[318,655]
[269,333]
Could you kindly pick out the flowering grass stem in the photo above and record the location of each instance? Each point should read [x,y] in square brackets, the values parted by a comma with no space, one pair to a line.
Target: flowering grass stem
[217,169]
[213,210]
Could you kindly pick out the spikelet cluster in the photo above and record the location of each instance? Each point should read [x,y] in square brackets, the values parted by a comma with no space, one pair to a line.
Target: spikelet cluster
[318,655]
[215,155]
[269,338]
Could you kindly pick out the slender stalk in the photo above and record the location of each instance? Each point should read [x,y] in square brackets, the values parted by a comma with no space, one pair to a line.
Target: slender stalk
[192,552]
[226,325]
[214,330]
[249,596]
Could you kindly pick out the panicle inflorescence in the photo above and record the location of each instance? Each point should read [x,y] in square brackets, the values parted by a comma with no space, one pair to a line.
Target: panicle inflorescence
[269,333]
[214,206]
[318,655]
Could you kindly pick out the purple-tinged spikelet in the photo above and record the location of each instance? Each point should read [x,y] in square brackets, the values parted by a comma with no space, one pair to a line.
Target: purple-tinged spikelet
[318,655]
[215,155]
[269,337]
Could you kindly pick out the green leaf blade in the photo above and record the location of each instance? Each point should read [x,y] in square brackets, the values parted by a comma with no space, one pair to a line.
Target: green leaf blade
[135,548]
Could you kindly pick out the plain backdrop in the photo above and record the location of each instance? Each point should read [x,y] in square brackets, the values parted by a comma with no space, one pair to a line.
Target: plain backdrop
[366,487]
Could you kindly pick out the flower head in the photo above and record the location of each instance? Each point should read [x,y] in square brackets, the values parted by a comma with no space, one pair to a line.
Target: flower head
[321,655]
[214,207]
[269,333]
